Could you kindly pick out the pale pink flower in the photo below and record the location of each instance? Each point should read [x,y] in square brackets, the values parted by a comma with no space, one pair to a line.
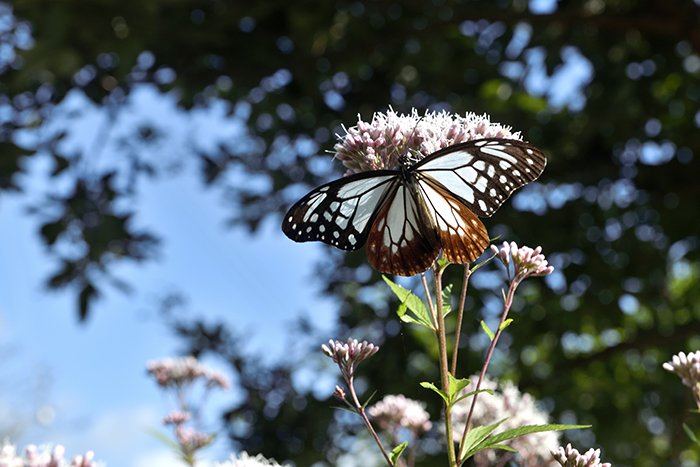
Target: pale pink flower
[177,417]
[687,367]
[245,460]
[190,439]
[44,457]
[378,144]
[349,354]
[177,372]
[570,457]
[527,262]
[394,412]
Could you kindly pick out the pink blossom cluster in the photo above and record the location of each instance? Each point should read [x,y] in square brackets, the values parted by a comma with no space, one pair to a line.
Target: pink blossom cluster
[177,372]
[687,367]
[378,144]
[526,261]
[570,457]
[394,412]
[349,354]
[34,457]
[518,409]
[190,439]
[245,460]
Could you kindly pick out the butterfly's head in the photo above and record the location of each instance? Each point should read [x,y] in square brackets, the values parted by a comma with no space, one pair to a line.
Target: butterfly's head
[409,158]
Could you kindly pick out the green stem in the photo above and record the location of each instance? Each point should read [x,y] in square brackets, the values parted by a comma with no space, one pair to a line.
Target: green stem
[489,354]
[361,412]
[444,370]
[460,314]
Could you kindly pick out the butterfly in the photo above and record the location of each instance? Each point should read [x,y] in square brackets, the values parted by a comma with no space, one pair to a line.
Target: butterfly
[407,216]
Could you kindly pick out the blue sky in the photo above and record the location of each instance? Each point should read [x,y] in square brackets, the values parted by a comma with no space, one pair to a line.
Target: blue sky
[98,395]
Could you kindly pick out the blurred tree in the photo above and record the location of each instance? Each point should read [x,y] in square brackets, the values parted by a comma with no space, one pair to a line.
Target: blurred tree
[610,90]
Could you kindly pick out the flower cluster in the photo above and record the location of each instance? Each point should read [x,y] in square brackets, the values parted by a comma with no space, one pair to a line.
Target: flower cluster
[526,261]
[570,457]
[33,457]
[177,372]
[180,375]
[687,367]
[244,460]
[350,354]
[394,412]
[518,409]
[378,144]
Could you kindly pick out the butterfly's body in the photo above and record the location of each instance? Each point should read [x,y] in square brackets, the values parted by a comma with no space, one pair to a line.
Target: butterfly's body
[407,216]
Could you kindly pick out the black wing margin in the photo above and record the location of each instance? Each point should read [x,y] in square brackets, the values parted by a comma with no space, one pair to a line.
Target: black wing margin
[483,173]
[340,213]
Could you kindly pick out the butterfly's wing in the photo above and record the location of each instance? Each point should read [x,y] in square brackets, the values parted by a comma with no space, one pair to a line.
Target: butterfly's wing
[402,239]
[463,237]
[339,213]
[482,174]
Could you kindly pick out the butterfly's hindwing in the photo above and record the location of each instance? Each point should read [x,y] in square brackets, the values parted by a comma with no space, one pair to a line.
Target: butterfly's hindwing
[462,235]
[401,240]
[483,173]
[339,213]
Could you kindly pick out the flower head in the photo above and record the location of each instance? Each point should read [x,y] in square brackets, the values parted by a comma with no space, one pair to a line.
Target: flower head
[190,439]
[518,409]
[177,417]
[526,261]
[177,372]
[349,354]
[378,144]
[42,457]
[245,460]
[570,457]
[687,367]
[398,411]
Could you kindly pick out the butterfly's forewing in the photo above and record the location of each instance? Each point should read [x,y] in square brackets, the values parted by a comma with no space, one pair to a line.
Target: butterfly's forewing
[401,240]
[339,213]
[463,237]
[482,173]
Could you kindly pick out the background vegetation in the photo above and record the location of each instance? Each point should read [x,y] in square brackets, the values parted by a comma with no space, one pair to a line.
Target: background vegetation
[610,90]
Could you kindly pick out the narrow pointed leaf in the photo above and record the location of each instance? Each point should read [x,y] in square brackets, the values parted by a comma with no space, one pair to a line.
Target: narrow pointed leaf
[431,386]
[410,302]
[397,451]
[447,300]
[505,324]
[475,437]
[691,435]
[469,394]
[456,385]
[487,330]
[528,429]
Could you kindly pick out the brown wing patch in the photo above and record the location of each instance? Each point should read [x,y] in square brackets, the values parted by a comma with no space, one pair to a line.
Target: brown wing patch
[399,241]
[462,235]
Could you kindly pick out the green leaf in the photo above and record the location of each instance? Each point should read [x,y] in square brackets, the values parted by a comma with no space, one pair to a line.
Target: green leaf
[475,437]
[691,435]
[505,324]
[410,302]
[163,438]
[447,300]
[397,451]
[483,263]
[469,394]
[528,429]
[442,262]
[428,385]
[487,330]
[480,442]
[456,385]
